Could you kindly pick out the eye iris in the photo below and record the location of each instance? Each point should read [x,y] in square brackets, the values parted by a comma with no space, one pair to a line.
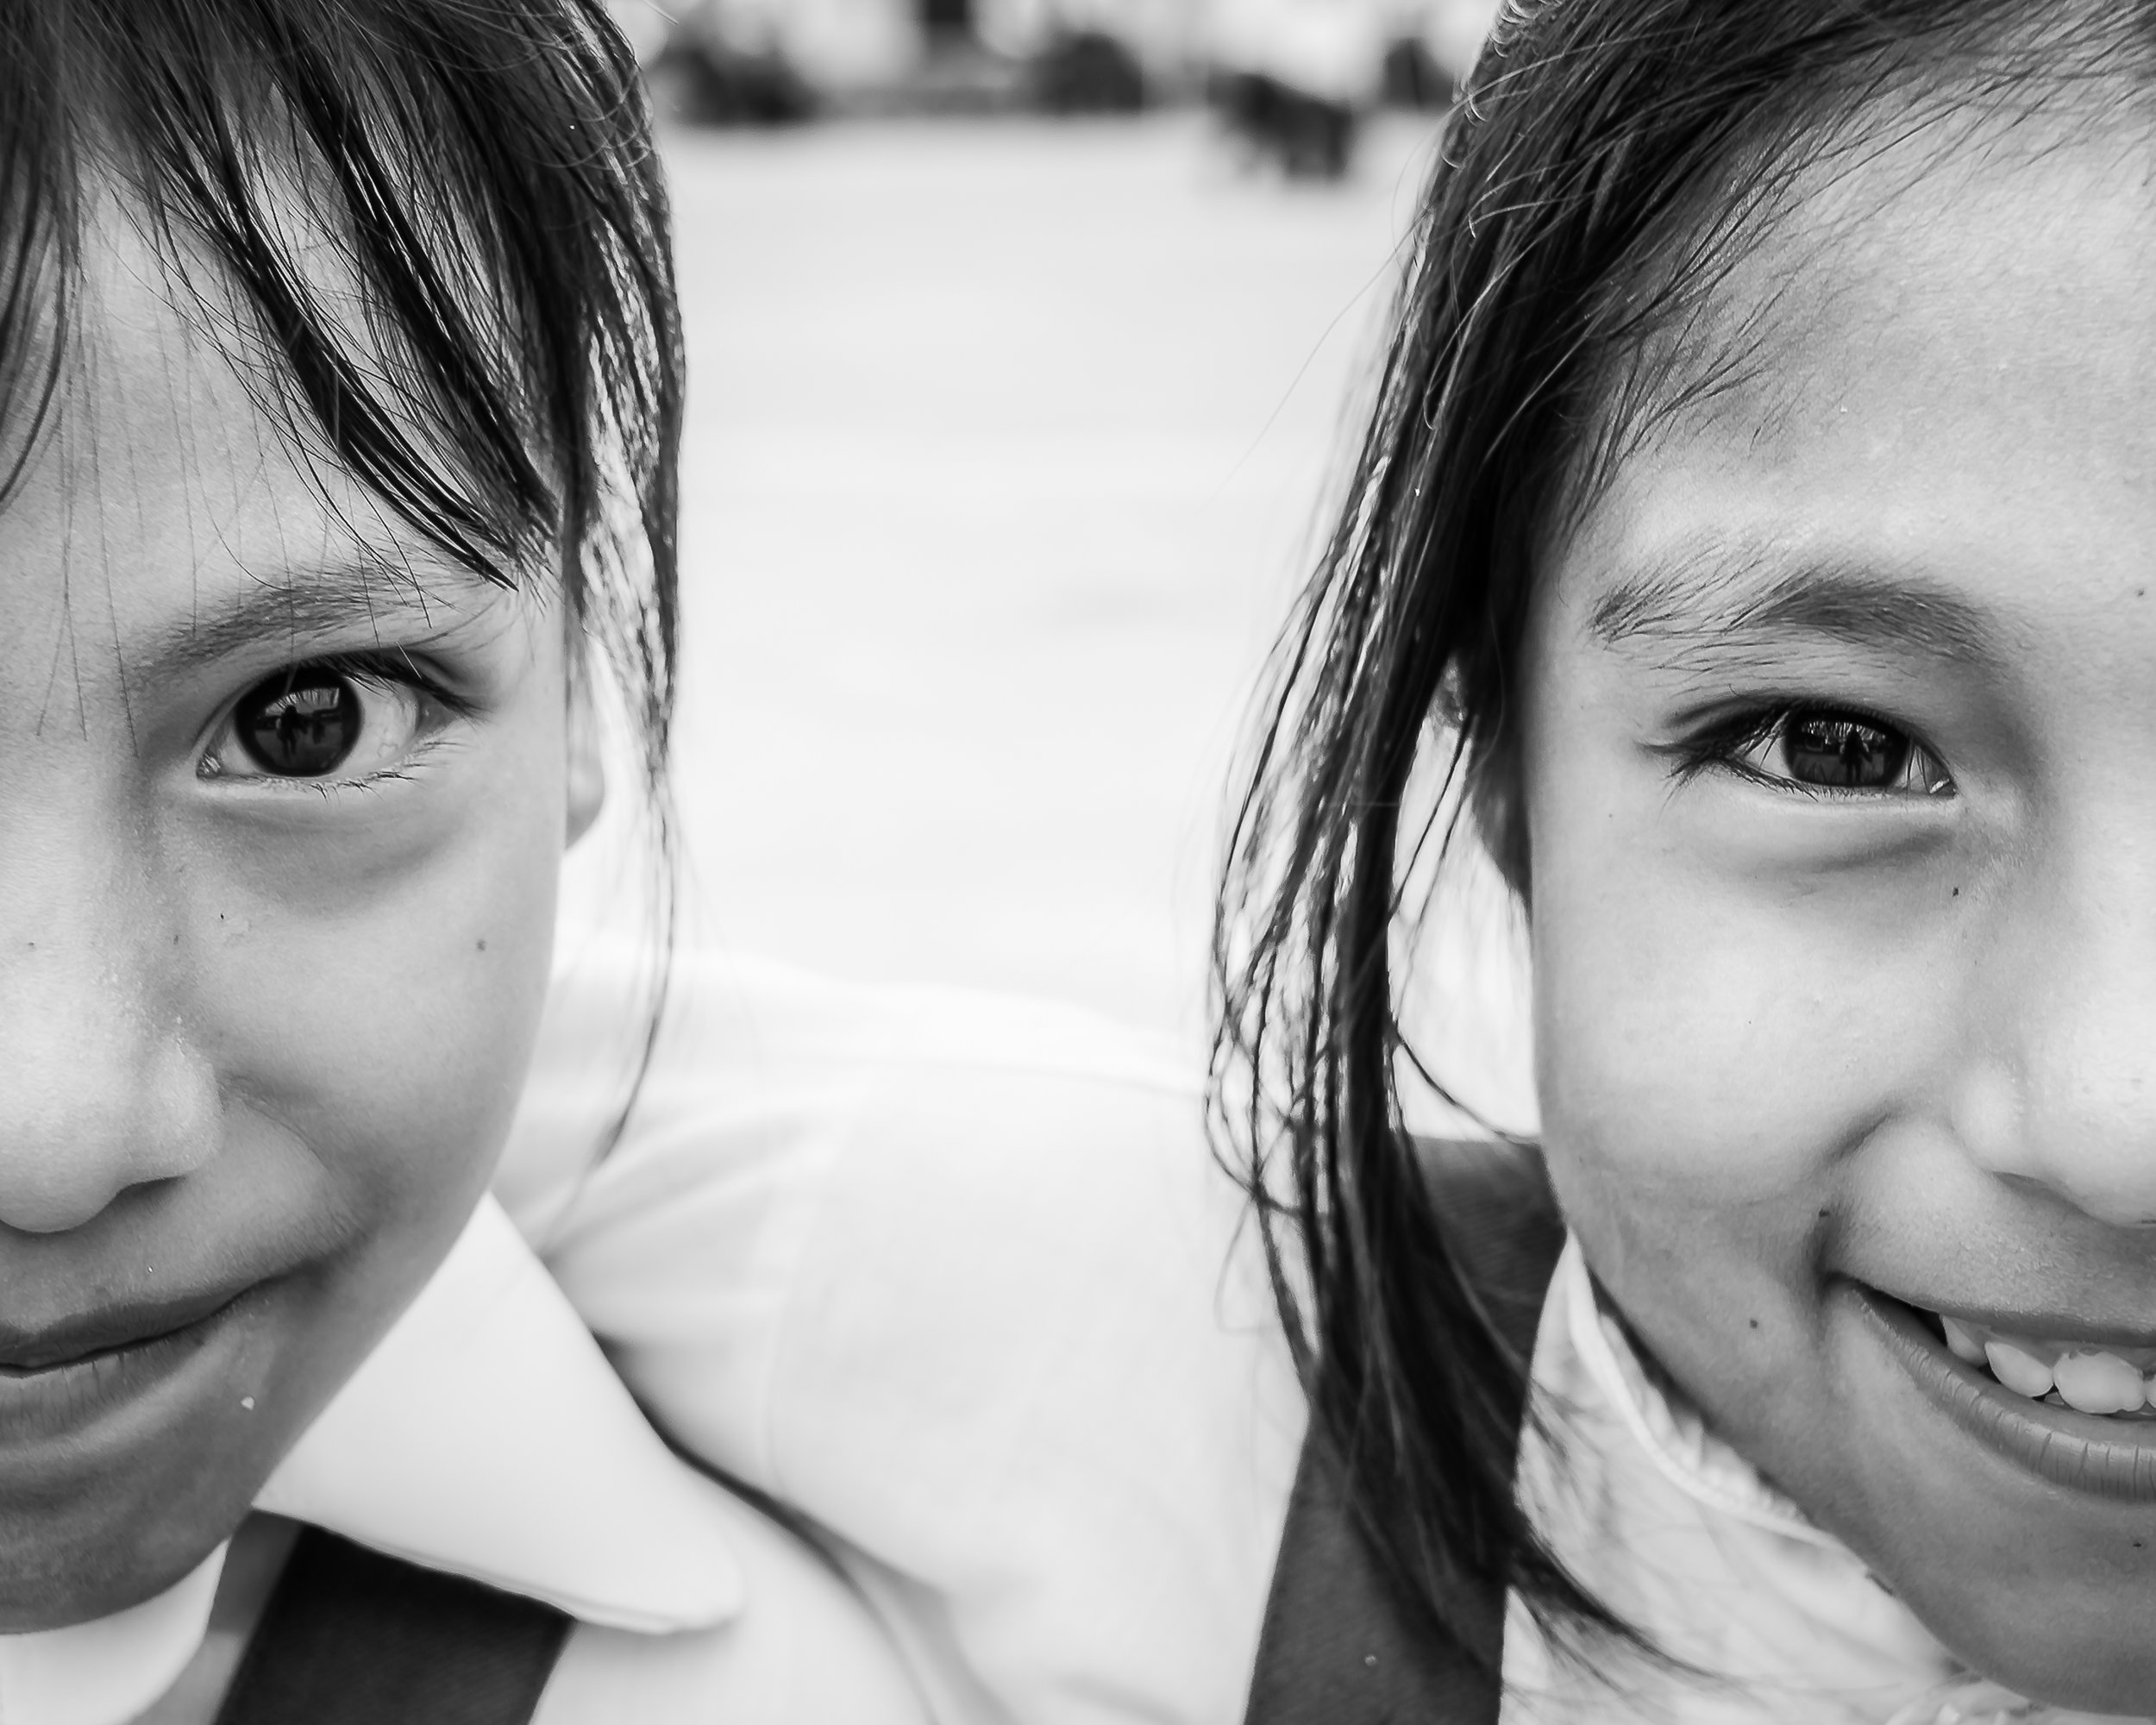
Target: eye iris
[1846,753]
[299,729]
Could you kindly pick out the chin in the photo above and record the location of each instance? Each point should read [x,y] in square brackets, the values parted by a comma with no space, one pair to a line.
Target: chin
[57,1568]
[2103,1660]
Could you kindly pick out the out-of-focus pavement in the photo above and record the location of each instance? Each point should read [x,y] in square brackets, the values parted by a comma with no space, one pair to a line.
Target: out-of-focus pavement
[1005,445]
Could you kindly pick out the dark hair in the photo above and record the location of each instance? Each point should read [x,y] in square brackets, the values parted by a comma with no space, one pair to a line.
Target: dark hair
[1611,159]
[484,172]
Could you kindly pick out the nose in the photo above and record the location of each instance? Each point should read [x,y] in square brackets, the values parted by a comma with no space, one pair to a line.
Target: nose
[2065,1095]
[100,1090]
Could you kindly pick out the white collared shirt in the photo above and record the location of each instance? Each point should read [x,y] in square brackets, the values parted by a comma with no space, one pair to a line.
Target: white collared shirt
[960,1279]
[956,1279]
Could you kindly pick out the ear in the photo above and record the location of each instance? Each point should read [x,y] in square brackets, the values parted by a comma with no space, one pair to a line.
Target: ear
[587,777]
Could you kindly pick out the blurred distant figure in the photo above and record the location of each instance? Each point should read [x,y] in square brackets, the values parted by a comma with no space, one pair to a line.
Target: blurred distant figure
[710,83]
[1410,77]
[709,64]
[1088,71]
[947,24]
[1291,77]
[1310,137]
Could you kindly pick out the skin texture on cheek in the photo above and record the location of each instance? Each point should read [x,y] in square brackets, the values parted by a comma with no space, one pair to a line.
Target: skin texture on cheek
[1692,1142]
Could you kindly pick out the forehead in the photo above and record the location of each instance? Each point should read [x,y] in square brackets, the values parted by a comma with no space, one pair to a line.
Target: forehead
[174,478]
[1940,355]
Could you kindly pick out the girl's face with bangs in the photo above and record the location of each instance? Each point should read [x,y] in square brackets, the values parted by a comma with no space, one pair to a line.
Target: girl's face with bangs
[1839,771]
[286,793]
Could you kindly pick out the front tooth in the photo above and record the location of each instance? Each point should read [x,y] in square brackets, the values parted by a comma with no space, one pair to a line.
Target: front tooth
[2097,1383]
[2017,1368]
[1962,1340]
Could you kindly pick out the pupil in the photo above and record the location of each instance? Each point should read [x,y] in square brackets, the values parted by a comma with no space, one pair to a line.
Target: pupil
[297,729]
[1846,753]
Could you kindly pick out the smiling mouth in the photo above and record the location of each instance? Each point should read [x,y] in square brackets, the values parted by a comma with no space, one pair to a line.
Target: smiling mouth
[2076,1414]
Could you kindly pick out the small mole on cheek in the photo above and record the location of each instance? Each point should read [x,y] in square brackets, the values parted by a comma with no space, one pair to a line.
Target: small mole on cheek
[482,946]
[1754,1322]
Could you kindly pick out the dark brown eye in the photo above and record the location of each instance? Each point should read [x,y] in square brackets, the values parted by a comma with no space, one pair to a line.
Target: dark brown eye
[299,725]
[1844,753]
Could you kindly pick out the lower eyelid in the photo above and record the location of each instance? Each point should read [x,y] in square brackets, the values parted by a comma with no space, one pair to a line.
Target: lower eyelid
[271,785]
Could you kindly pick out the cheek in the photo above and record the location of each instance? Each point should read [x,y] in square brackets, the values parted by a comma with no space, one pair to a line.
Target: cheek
[1712,1044]
[377,995]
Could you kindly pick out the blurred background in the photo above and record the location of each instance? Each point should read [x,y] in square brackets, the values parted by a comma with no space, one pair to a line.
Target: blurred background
[1027,339]
[776,61]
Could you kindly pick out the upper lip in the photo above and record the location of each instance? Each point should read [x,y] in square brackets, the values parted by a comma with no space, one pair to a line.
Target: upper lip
[2053,1326]
[39,1347]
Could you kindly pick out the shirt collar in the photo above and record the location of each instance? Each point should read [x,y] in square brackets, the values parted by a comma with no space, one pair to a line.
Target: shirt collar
[488,1436]
[485,1436]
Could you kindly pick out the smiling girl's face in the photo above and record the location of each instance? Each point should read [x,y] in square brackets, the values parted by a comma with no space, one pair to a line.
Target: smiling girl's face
[285,796]
[1842,823]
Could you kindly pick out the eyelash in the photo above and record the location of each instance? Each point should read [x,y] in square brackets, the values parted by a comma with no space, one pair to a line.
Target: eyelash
[1723,743]
[383,669]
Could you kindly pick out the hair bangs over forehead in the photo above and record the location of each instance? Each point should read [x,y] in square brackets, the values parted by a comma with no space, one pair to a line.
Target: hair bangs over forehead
[442,240]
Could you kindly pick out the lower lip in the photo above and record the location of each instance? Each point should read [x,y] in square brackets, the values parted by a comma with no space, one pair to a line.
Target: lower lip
[116,1388]
[2083,1452]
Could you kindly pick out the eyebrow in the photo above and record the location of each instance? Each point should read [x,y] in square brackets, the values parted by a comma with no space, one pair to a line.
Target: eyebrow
[1743,596]
[306,607]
